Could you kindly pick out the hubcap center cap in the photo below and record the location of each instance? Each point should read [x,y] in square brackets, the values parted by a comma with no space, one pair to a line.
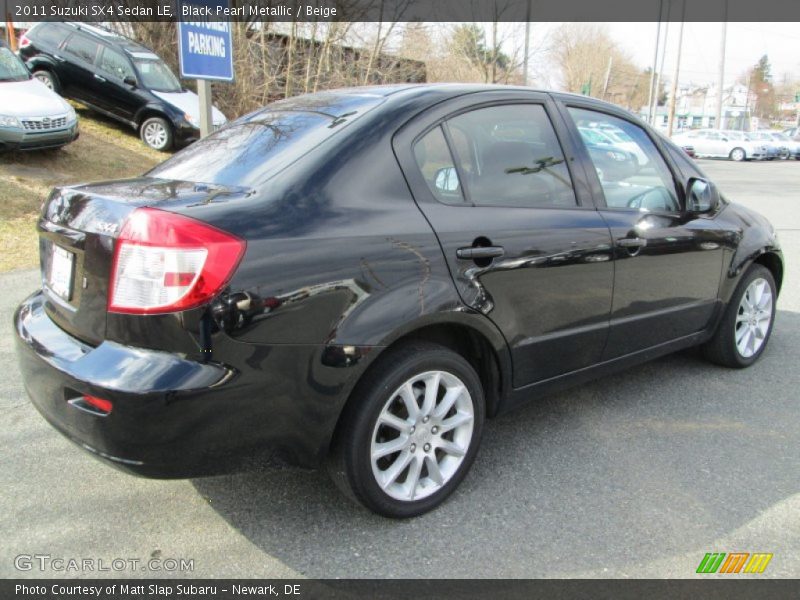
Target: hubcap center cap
[422,435]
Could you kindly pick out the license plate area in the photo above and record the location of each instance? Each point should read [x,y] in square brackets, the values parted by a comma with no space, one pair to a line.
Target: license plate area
[61,273]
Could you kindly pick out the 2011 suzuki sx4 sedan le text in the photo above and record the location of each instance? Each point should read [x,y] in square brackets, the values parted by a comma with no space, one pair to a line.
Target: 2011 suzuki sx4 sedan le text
[358,278]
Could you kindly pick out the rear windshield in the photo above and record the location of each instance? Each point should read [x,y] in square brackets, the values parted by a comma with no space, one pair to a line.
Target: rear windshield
[255,147]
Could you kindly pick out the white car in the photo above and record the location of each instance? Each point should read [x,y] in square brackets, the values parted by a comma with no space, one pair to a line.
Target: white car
[789,147]
[31,116]
[616,138]
[721,144]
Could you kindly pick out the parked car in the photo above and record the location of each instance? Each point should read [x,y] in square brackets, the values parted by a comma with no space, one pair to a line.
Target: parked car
[117,77]
[771,149]
[358,278]
[613,139]
[31,116]
[720,144]
[789,147]
[793,133]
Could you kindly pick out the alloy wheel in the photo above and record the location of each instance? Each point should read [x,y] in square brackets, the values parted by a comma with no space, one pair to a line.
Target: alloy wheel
[753,318]
[155,135]
[422,435]
[45,80]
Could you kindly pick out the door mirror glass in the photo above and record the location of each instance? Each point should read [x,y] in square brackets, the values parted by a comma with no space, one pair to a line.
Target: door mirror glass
[701,196]
[130,80]
[446,180]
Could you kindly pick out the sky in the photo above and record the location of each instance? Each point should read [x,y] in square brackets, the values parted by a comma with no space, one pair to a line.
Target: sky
[745,44]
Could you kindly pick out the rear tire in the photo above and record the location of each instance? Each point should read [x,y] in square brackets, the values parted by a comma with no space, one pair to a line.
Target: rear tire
[738,154]
[49,79]
[156,132]
[410,432]
[744,330]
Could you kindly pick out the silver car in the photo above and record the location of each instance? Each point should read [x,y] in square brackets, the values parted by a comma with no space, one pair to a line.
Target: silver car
[721,144]
[31,115]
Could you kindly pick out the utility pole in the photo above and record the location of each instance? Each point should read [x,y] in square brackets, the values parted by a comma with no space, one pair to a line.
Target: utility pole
[655,66]
[608,76]
[721,78]
[660,74]
[527,43]
[676,74]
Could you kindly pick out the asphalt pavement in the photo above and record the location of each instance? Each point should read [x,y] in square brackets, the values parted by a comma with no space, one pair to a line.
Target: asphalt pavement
[634,475]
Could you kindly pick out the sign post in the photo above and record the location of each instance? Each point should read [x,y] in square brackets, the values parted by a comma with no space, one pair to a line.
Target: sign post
[205,50]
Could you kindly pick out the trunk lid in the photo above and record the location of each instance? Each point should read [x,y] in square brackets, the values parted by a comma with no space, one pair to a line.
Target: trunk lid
[77,233]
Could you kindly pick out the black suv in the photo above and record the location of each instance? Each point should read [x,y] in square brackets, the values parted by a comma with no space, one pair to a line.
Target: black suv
[115,76]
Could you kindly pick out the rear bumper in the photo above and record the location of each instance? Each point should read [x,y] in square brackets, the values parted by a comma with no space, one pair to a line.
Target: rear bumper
[174,417]
[19,139]
[142,434]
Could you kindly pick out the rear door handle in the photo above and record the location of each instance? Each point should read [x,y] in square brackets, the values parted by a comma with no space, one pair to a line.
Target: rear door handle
[473,252]
[96,76]
[632,242]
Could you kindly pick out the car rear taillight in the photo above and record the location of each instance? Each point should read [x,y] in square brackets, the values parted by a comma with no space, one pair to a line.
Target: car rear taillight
[23,42]
[165,262]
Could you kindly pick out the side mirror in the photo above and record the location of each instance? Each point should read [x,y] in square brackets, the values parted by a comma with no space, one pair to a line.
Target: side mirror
[446,180]
[701,196]
[129,80]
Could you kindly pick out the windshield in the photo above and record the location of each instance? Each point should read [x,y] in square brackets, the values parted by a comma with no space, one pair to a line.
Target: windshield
[156,75]
[12,68]
[252,149]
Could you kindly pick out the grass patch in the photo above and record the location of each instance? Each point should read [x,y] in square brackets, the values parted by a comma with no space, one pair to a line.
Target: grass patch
[104,150]
[19,244]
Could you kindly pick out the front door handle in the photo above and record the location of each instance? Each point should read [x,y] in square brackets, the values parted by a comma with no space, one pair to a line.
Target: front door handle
[632,242]
[59,58]
[96,76]
[473,252]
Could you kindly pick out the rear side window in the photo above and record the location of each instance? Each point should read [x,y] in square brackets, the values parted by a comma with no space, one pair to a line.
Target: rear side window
[48,34]
[436,163]
[82,47]
[510,156]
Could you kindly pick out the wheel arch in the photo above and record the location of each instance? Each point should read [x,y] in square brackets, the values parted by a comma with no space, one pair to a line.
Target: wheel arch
[470,336]
[148,111]
[774,264]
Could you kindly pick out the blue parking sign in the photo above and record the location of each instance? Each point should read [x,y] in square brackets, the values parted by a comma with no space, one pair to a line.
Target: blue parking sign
[205,47]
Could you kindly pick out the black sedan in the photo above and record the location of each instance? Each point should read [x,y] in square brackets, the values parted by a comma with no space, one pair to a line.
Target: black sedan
[359,278]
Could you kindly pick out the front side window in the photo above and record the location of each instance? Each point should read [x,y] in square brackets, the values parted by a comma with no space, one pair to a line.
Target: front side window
[632,173]
[157,76]
[82,47]
[114,63]
[510,156]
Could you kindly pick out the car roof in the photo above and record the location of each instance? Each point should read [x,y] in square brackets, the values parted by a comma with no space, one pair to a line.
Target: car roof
[112,37]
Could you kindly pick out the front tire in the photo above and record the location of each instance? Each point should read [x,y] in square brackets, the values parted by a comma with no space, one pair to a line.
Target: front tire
[738,154]
[156,133]
[746,326]
[411,432]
